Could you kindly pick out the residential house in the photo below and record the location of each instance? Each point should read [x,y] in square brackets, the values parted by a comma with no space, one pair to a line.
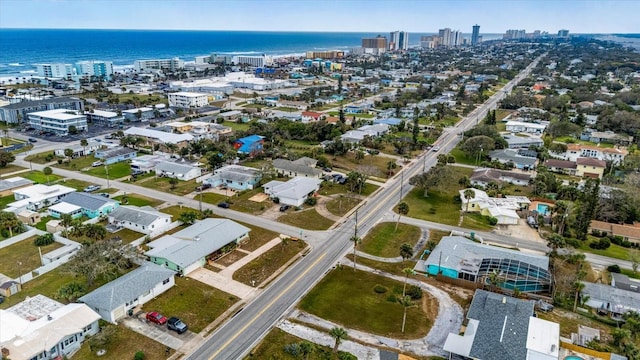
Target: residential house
[523,142]
[180,171]
[135,288]
[525,127]
[147,163]
[80,203]
[300,167]
[187,250]
[501,327]
[235,177]
[460,258]
[9,185]
[609,137]
[356,136]
[391,121]
[589,167]
[561,166]
[42,328]
[503,209]
[159,137]
[37,197]
[482,177]
[506,156]
[299,105]
[360,108]
[115,155]
[200,129]
[629,232]
[79,150]
[144,219]
[613,300]
[622,281]
[233,115]
[311,116]
[293,192]
[574,151]
[249,144]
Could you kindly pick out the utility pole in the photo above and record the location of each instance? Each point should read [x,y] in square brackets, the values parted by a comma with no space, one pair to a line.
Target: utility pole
[106,169]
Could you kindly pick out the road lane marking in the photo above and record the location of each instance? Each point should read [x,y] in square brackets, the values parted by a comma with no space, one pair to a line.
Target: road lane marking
[266,308]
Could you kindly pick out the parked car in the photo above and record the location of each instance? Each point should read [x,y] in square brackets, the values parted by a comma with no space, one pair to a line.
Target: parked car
[327,169]
[96,163]
[176,325]
[104,195]
[156,317]
[284,208]
[33,140]
[204,186]
[435,148]
[108,137]
[91,188]
[223,205]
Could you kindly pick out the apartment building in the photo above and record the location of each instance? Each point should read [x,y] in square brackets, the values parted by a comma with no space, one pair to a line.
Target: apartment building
[58,121]
[188,99]
[158,64]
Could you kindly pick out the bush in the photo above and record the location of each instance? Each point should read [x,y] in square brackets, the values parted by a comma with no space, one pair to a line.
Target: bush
[415,292]
[614,268]
[49,157]
[392,298]
[311,201]
[139,355]
[492,220]
[292,349]
[574,243]
[380,289]
[601,244]
[43,240]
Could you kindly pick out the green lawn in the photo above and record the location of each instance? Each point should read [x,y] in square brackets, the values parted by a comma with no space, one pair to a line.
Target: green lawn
[237,126]
[212,198]
[77,163]
[241,202]
[347,297]
[614,251]
[74,183]
[42,225]
[257,237]
[259,269]
[39,158]
[4,200]
[11,168]
[461,157]
[392,268]
[630,273]
[306,219]
[383,240]
[127,236]
[331,188]
[138,200]
[349,116]
[45,284]
[40,178]
[371,165]
[272,347]
[124,344]
[176,210]
[195,303]
[163,184]
[116,171]
[23,257]
[341,205]
[476,221]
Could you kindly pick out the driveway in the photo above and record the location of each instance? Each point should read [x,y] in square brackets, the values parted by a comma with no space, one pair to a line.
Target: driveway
[159,333]
[222,282]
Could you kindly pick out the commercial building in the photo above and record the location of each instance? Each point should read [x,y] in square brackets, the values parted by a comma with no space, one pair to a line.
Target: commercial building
[187,250]
[513,34]
[457,257]
[140,114]
[58,121]
[159,137]
[253,61]
[450,38]
[375,46]
[563,33]
[188,99]
[500,327]
[17,112]
[44,329]
[398,40]
[58,70]
[475,35]
[104,118]
[329,54]
[429,42]
[99,69]
[158,64]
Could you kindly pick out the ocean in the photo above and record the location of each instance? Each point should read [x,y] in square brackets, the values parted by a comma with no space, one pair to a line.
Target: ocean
[20,49]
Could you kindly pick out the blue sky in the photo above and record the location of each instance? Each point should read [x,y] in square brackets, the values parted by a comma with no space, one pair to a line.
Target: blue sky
[579,16]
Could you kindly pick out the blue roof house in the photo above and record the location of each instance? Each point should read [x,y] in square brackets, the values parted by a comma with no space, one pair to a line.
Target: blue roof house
[250,144]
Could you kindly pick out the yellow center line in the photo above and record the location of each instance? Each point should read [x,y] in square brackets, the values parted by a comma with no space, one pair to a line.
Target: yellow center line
[249,323]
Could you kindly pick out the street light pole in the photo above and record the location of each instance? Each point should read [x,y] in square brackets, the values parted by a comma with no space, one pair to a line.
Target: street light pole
[106,169]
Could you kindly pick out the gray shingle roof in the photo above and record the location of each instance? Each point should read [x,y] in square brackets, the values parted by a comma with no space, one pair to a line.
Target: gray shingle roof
[511,155]
[32,103]
[111,153]
[127,287]
[14,182]
[172,167]
[141,216]
[196,241]
[503,326]
[291,166]
[620,300]
[86,201]
[623,282]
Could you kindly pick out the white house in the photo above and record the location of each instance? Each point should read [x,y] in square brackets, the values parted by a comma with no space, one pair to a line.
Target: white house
[79,150]
[188,99]
[180,171]
[525,127]
[37,196]
[575,151]
[42,328]
[159,137]
[293,192]
[503,209]
[114,299]
[141,219]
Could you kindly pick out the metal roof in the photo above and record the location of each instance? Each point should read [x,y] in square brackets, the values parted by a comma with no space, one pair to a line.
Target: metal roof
[87,201]
[142,216]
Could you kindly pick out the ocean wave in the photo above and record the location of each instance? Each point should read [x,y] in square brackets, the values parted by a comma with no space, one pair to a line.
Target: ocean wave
[28,72]
[15,64]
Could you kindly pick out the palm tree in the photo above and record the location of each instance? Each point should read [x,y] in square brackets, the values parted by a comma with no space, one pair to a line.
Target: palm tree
[578,287]
[390,166]
[338,334]
[65,221]
[407,272]
[560,211]
[403,209]
[406,251]
[84,143]
[468,195]
[171,147]
[306,349]
[406,303]
[188,217]
[47,171]
[494,279]
[356,240]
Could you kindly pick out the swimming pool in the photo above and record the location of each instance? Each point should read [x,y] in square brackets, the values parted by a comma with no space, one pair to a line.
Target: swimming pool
[543,209]
[573,358]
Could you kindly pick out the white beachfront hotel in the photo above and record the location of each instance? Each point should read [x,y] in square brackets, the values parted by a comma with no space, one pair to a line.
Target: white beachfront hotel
[185,99]
[58,120]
